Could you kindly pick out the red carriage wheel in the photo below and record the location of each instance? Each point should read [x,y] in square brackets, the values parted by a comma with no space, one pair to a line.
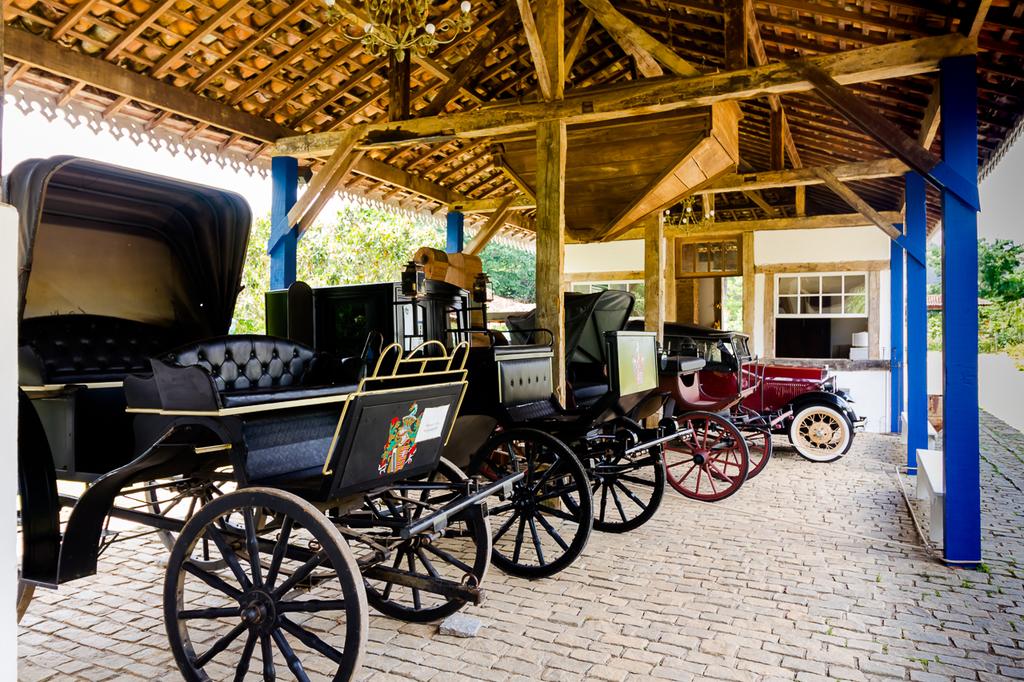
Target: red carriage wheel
[709,459]
[759,448]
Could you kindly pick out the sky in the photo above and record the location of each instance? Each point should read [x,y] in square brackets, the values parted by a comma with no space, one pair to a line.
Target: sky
[32,135]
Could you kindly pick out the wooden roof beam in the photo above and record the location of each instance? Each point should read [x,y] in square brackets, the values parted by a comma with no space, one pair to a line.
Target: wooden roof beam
[49,56]
[578,39]
[730,228]
[895,60]
[760,55]
[490,228]
[802,177]
[533,39]
[856,203]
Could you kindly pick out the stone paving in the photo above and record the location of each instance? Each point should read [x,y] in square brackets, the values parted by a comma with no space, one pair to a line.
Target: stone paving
[810,572]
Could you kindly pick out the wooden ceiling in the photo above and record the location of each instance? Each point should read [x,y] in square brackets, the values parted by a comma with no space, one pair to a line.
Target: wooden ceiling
[244,72]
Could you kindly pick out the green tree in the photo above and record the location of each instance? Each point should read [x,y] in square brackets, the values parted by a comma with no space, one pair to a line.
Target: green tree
[367,243]
[1000,270]
[512,270]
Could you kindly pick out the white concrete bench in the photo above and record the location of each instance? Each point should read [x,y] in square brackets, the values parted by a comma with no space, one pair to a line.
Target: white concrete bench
[904,429]
[931,488]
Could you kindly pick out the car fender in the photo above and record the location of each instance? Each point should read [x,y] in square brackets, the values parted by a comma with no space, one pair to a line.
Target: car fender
[823,398]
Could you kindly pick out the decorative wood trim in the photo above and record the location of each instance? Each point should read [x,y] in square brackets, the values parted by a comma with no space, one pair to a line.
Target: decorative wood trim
[45,54]
[839,266]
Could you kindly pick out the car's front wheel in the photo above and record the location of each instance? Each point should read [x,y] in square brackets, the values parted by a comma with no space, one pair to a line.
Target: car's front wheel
[821,433]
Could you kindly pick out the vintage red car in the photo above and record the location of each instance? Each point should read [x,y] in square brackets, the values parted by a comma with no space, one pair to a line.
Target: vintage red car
[802,402]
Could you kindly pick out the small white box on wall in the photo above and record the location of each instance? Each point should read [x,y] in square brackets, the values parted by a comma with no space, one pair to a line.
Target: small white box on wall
[860,340]
[858,353]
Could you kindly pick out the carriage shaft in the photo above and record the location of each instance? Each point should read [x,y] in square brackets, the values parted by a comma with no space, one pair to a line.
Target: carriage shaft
[449,589]
[439,519]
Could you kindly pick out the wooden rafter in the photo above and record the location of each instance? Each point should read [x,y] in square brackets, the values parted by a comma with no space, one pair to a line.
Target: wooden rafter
[874,63]
[490,228]
[533,39]
[775,102]
[193,39]
[856,203]
[727,228]
[578,39]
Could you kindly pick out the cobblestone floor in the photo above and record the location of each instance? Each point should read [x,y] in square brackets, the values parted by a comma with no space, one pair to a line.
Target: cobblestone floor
[809,572]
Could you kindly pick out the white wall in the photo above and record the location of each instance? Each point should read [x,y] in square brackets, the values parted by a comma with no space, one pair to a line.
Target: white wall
[820,246]
[870,392]
[9,445]
[605,256]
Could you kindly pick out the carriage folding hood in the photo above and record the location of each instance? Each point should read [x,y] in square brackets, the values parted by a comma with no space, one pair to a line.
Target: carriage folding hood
[102,240]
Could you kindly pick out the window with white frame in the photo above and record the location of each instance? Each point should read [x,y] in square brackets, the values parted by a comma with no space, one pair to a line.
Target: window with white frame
[635,287]
[821,315]
[830,294]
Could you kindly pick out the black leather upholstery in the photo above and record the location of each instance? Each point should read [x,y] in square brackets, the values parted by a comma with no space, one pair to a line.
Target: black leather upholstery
[246,362]
[92,348]
[239,398]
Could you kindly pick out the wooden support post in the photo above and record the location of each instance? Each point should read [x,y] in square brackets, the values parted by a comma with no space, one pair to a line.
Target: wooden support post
[874,314]
[747,247]
[960,429]
[917,319]
[551,24]
[735,35]
[456,233]
[800,200]
[669,279]
[551,148]
[778,139]
[654,266]
[769,314]
[283,243]
[686,300]
[399,73]
[895,335]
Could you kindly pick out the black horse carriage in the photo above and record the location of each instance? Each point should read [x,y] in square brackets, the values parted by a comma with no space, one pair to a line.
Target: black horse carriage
[293,496]
[589,465]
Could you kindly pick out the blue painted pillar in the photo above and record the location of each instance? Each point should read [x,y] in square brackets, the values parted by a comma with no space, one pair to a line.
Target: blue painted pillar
[284,174]
[895,334]
[916,228]
[456,232]
[960,315]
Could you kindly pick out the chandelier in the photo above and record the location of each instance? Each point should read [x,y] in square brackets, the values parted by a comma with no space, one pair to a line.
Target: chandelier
[687,217]
[404,26]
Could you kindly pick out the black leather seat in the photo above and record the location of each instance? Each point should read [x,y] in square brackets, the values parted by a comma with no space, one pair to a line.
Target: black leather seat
[273,395]
[92,348]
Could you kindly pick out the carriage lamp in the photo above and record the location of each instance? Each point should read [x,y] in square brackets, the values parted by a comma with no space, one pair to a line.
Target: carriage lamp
[413,279]
[482,292]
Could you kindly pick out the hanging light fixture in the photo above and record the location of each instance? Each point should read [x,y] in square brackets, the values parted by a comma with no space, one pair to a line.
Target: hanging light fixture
[686,215]
[404,26]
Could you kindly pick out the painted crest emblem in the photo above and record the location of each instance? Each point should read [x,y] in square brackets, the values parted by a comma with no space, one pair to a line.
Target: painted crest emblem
[401,446]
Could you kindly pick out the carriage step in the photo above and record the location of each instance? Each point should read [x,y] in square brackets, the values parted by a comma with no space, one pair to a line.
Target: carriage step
[448,589]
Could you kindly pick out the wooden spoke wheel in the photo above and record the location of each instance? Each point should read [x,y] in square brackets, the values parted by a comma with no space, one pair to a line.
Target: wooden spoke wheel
[290,600]
[459,553]
[759,449]
[545,523]
[709,460]
[180,499]
[821,433]
[627,489]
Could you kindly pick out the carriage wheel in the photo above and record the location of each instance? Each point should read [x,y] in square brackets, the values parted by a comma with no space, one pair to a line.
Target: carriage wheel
[546,522]
[305,602]
[709,460]
[180,498]
[460,553]
[627,489]
[821,433]
[759,448]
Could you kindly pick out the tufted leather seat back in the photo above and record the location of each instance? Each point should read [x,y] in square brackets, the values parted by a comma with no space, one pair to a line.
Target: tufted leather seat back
[248,361]
[92,348]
